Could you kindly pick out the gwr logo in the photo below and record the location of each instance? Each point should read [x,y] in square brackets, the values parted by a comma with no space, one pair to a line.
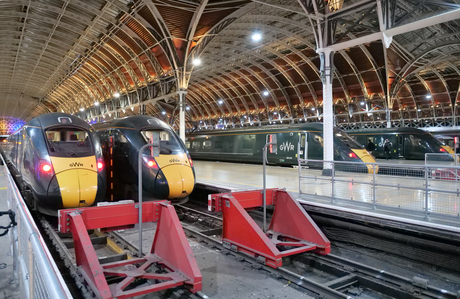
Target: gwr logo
[76,164]
[286,146]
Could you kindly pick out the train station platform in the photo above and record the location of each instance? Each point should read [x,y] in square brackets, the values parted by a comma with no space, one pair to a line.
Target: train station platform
[398,198]
[9,288]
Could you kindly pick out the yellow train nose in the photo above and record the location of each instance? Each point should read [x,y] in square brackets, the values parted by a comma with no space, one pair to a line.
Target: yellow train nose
[180,180]
[78,187]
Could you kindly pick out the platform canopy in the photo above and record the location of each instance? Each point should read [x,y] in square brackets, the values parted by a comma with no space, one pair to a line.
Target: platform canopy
[260,60]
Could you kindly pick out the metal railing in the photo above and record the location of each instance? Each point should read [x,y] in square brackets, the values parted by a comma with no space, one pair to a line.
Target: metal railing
[33,264]
[422,188]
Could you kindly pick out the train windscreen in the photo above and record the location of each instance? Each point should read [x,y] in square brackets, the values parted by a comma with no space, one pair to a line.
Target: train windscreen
[169,145]
[68,142]
[346,139]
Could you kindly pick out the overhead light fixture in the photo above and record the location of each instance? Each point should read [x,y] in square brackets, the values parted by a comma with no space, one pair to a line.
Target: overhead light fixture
[187,108]
[96,103]
[163,112]
[117,94]
[428,96]
[362,103]
[82,109]
[256,36]
[419,109]
[266,93]
[220,102]
[110,114]
[313,108]
[196,61]
[275,113]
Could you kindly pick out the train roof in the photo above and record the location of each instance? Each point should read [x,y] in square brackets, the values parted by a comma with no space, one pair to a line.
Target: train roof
[292,127]
[135,122]
[389,131]
[56,118]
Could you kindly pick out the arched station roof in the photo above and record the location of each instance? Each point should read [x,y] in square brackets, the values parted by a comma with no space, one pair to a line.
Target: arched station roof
[67,55]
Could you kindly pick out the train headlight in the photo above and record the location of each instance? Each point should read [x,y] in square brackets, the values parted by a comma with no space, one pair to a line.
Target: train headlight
[46,167]
[151,163]
[100,164]
[442,150]
[190,160]
[352,155]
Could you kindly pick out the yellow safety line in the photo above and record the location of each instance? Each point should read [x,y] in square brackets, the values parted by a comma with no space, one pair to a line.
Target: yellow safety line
[2,188]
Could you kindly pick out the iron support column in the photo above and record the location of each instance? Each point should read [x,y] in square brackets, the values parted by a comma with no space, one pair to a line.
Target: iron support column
[182,114]
[328,113]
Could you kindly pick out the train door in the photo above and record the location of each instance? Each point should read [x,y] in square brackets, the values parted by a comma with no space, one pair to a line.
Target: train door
[400,146]
[315,146]
[303,143]
[272,150]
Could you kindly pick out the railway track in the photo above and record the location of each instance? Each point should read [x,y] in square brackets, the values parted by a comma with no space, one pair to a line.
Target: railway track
[109,247]
[328,276]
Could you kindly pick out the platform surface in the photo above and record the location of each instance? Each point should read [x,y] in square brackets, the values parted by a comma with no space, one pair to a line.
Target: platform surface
[240,177]
[8,289]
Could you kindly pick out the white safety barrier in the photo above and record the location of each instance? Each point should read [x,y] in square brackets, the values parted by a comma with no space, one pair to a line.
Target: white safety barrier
[426,189]
[34,267]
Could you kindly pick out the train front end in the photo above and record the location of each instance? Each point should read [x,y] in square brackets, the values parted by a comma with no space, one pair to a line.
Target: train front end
[171,175]
[346,149]
[74,168]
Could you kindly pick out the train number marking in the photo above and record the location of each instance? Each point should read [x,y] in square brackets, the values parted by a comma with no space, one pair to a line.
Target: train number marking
[286,146]
[76,164]
[174,161]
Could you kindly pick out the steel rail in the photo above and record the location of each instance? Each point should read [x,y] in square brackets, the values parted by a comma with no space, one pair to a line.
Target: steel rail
[403,282]
[369,274]
[283,273]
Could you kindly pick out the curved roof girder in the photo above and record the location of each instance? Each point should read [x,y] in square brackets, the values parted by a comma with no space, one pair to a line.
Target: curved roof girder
[247,79]
[266,71]
[169,48]
[134,58]
[219,93]
[194,96]
[146,49]
[210,96]
[225,89]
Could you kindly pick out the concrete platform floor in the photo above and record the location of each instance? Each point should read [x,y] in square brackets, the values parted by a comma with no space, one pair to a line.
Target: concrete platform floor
[8,287]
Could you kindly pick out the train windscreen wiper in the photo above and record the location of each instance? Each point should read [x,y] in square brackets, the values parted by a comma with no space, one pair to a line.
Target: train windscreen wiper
[54,145]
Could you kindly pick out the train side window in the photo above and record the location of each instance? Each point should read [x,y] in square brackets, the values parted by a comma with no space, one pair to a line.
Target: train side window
[196,145]
[206,144]
[187,144]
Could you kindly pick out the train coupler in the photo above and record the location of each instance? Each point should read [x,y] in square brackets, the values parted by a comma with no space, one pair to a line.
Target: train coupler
[170,253]
[291,229]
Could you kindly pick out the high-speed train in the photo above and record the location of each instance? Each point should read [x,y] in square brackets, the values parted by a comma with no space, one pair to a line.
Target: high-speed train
[57,160]
[407,143]
[169,176]
[245,145]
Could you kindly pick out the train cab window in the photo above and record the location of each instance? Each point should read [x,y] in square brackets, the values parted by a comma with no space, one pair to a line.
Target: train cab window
[169,144]
[196,145]
[207,144]
[68,142]
[318,139]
